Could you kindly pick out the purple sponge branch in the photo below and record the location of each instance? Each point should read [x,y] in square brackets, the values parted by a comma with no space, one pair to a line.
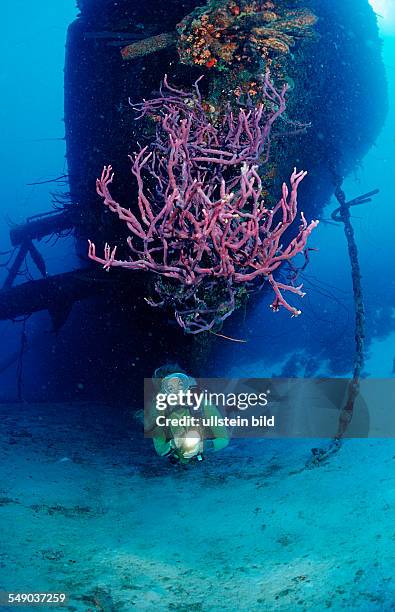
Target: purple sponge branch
[203,228]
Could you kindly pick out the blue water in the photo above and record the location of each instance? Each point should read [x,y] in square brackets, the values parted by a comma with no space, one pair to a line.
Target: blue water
[88,509]
[33,146]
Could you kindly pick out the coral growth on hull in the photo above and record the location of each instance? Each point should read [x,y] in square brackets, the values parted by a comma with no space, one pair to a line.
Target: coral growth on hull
[203,226]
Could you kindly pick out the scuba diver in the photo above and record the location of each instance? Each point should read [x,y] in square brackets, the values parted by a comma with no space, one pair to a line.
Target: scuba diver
[179,443]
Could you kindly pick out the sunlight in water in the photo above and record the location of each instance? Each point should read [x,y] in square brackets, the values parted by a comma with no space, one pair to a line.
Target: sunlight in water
[386,11]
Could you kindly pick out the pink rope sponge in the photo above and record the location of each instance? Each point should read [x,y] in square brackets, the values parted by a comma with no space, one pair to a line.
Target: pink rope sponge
[203,229]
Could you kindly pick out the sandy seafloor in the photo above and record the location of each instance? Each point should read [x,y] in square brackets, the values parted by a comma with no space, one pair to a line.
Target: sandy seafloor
[87,508]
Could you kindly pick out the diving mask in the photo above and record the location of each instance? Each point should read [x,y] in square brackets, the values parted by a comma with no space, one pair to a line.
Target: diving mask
[173,383]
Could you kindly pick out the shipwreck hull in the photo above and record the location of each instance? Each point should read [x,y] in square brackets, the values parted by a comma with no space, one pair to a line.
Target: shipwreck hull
[335,78]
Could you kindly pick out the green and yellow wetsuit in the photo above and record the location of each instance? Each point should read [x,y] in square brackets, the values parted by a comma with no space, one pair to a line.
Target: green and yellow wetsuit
[215,438]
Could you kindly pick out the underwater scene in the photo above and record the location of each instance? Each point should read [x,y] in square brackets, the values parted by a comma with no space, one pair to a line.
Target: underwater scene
[197,305]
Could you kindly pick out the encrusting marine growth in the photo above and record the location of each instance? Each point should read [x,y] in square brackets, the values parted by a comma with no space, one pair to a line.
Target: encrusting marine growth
[226,31]
[236,39]
[203,228]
